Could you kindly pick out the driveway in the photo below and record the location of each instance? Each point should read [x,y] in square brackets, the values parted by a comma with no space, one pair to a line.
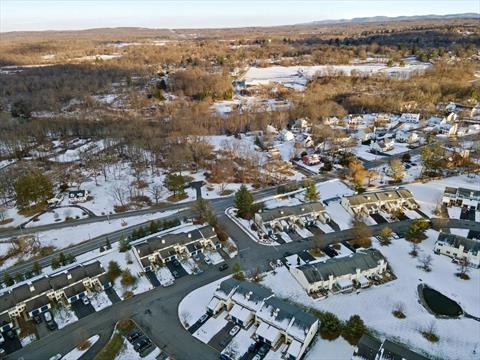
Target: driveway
[11,345]
[177,267]
[82,310]
[467,213]
[222,338]
[112,295]
[197,325]
[152,278]
[379,218]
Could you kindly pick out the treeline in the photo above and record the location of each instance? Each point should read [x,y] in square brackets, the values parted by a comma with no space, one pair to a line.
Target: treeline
[199,84]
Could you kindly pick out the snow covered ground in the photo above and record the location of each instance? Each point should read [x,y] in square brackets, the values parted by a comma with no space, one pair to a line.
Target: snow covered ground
[428,195]
[194,305]
[128,353]
[297,76]
[338,349]
[89,148]
[458,337]
[240,343]
[100,301]
[58,215]
[211,327]
[165,276]
[64,317]
[76,354]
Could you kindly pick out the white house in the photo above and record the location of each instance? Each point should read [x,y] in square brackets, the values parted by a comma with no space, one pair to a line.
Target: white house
[459,248]
[77,196]
[410,118]
[408,137]
[287,135]
[341,273]
[448,129]
[372,203]
[383,145]
[461,197]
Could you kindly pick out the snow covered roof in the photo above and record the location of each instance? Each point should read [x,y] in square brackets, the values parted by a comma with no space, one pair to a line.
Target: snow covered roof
[374,197]
[295,210]
[320,271]
[469,245]
[462,192]
[240,313]
[344,283]
[251,295]
[268,332]
[294,348]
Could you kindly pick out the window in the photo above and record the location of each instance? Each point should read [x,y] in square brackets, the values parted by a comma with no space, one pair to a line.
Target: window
[44,308]
[74,298]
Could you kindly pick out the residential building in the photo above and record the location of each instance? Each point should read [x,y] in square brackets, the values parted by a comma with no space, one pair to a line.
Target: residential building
[158,250]
[310,160]
[77,196]
[287,135]
[276,321]
[383,145]
[461,197]
[459,248]
[408,137]
[287,217]
[372,203]
[341,273]
[34,298]
[410,118]
[370,348]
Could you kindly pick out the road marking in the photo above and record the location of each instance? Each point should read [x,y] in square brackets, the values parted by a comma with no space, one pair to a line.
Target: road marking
[244,249]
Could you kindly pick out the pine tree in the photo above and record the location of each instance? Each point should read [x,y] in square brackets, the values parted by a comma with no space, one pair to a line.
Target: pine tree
[7,279]
[107,244]
[114,270]
[416,233]
[385,235]
[175,183]
[311,194]
[36,268]
[124,244]
[237,272]
[62,259]
[244,202]
[354,329]
[153,227]
[127,278]
[55,264]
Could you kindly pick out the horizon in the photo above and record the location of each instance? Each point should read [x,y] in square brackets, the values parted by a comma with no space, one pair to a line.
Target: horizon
[74,15]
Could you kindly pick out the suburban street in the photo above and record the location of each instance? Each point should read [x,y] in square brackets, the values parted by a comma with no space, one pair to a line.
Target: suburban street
[163,325]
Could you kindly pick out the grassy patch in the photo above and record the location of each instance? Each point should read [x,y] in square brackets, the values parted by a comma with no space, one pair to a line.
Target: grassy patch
[430,336]
[111,350]
[398,314]
[226,192]
[463,276]
[125,326]
[6,221]
[177,197]
[316,252]
[32,210]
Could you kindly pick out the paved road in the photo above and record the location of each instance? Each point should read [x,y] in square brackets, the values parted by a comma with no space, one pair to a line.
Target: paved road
[163,325]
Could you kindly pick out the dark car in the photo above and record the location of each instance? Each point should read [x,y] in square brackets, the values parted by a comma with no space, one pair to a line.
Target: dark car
[142,343]
[51,325]
[175,262]
[11,334]
[224,342]
[37,319]
[223,267]
[135,335]
[263,350]
[175,274]
[254,347]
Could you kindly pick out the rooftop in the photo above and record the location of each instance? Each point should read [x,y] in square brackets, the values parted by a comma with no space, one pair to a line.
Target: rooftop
[295,210]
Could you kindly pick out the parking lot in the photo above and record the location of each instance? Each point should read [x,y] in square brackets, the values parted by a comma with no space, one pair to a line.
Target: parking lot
[176,269]
[81,310]
[222,338]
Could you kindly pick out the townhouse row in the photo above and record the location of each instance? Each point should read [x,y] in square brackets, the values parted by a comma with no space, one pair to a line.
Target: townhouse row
[277,322]
[33,298]
[159,250]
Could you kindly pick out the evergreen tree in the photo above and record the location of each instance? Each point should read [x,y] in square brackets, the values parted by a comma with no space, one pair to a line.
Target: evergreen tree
[127,278]
[36,268]
[330,326]
[237,272]
[244,202]
[7,279]
[362,234]
[107,244]
[385,235]
[124,244]
[55,264]
[114,271]
[311,194]
[153,227]
[416,233]
[33,188]
[62,259]
[175,183]
[354,329]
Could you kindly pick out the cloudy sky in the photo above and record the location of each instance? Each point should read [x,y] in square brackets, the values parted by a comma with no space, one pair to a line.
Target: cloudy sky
[18,15]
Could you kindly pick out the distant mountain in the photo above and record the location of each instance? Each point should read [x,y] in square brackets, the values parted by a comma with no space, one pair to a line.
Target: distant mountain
[396,18]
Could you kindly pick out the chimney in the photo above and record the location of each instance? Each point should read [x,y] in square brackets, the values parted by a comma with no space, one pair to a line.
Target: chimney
[32,288]
[189,235]
[275,312]
[247,296]
[69,276]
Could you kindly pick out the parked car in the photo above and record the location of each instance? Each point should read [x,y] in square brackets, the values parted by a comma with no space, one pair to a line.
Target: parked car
[175,274]
[85,300]
[234,330]
[51,325]
[203,318]
[175,262]
[263,350]
[207,260]
[2,340]
[254,347]
[37,319]
[133,336]
[11,334]
[47,316]
[223,267]
[141,343]
[257,357]
[196,257]
[224,342]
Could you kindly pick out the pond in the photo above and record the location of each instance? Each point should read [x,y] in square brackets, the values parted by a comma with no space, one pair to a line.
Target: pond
[439,304]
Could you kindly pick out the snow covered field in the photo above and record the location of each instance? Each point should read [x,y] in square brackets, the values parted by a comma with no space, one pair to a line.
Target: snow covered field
[338,349]
[128,353]
[58,215]
[297,76]
[458,337]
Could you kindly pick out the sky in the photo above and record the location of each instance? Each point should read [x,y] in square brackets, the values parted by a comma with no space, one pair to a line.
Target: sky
[25,15]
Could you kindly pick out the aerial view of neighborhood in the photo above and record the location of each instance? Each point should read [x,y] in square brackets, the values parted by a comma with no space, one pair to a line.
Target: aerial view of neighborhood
[239,180]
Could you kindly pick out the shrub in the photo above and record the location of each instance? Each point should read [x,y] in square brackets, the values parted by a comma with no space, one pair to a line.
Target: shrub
[330,326]
[354,329]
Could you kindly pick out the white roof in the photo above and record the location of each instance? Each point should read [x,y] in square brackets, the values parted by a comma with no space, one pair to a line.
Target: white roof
[344,283]
[268,332]
[241,313]
[363,280]
[294,348]
[212,305]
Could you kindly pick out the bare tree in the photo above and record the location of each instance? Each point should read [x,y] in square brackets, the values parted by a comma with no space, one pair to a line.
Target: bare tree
[119,194]
[156,191]
[463,269]
[425,263]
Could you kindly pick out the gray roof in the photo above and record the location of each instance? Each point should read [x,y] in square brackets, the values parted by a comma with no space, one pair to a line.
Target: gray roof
[74,290]
[256,292]
[37,303]
[470,245]
[374,197]
[368,347]
[228,285]
[320,271]
[6,302]
[93,269]
[463,192]
[394,351]
[5,319]
[21,293]
[287,311]
[41,285]
[296,210]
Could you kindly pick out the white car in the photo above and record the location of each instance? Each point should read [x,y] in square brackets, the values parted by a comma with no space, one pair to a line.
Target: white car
[207,260]
[2,340]
[234,330]
[47,316]
[85,300]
